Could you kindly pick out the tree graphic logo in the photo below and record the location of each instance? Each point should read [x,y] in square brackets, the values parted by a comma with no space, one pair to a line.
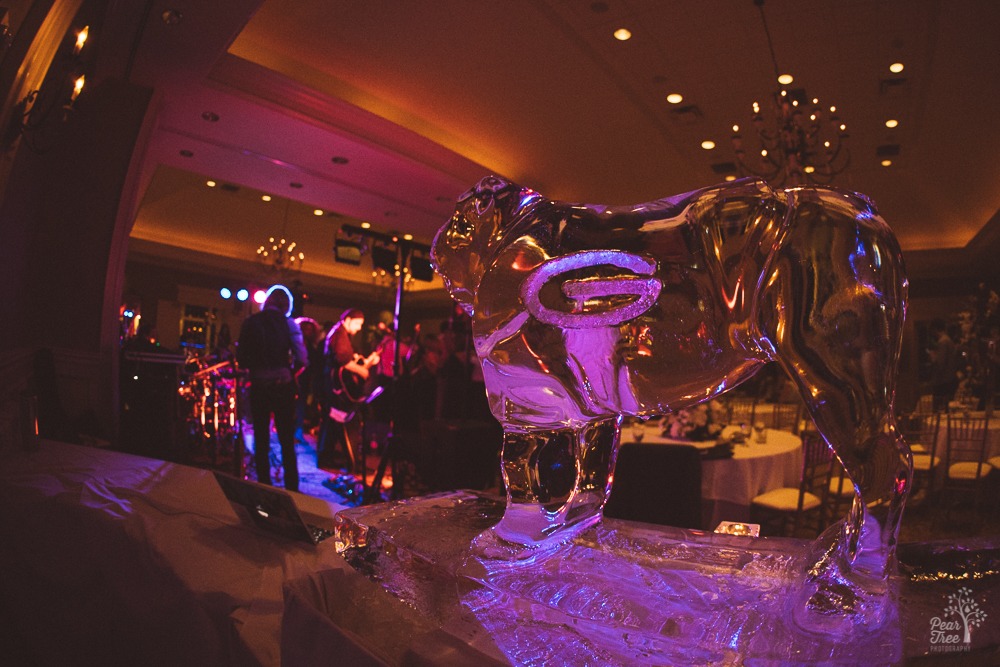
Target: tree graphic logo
[953,631]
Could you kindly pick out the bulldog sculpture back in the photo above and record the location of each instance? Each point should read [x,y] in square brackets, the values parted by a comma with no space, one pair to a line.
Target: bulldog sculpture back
[584,313]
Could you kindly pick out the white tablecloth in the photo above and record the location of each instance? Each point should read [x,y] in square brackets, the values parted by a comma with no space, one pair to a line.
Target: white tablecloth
[729,485]
[114,559]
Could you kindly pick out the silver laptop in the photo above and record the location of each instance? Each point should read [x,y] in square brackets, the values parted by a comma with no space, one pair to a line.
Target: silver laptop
[270,509]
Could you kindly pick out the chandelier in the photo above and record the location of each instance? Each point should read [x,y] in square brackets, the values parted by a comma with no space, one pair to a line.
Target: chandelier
[279,255]
[798,140]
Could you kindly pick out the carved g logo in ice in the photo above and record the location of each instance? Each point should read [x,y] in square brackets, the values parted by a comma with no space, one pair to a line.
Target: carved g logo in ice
[597,301]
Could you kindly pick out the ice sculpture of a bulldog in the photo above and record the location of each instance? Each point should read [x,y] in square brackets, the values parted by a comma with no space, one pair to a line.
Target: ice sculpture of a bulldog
[583,313]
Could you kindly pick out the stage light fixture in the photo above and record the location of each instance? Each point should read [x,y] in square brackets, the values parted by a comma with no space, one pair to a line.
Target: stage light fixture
[384,258]
[347,251]
[421,269]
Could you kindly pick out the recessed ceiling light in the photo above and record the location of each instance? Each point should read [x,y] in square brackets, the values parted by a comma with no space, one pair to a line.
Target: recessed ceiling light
[266,197]
[675,98]
[210,116]
[210,184]
[366,225]
[785,79]
[407,237]
[708,144]
[809,169]
[896,68]
[622,34]
[892,122]
[317,211]
[730,177]
[187,153]
[886,163]
[339,159]
[296,185]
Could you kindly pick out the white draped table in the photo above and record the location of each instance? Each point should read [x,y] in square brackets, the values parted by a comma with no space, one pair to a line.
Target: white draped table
[729,485]
[115,559]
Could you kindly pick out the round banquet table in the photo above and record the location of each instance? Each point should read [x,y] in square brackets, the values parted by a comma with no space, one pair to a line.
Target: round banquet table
[729,485]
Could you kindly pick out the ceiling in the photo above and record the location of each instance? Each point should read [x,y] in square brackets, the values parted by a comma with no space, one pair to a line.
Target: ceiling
[386,111]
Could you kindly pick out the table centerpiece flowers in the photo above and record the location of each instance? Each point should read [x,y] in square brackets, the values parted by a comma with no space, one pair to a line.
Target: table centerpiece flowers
[704,421]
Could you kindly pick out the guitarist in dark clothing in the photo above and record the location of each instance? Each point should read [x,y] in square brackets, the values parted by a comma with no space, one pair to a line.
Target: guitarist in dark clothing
[271,349]
[346,373]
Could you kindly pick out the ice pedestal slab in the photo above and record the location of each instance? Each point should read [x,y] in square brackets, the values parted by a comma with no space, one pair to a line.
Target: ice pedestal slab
[623,593]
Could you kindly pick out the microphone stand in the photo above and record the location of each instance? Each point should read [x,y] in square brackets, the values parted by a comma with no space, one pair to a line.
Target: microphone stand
[371,493]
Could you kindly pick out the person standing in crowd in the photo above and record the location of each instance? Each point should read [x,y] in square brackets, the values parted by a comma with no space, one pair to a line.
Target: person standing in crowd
[272,350]
[345,373]
[944,365]
[310,378]
[380,410]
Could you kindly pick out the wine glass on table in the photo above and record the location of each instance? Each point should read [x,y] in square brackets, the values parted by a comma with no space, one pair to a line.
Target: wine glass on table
[744,435]
[760,433]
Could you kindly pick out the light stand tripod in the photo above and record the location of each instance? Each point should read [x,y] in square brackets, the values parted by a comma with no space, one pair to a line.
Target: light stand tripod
[404,248]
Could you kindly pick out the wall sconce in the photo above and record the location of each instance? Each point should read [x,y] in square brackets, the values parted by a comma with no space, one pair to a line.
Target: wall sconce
[59,90]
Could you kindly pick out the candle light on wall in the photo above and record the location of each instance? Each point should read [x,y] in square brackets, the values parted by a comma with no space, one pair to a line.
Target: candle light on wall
[81,39]
[37,115]
[77,88]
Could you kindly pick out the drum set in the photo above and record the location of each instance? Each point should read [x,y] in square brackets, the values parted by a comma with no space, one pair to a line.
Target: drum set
[212,406]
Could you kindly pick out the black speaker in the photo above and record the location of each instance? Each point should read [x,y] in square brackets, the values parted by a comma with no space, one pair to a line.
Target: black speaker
[460,453]
[384,258]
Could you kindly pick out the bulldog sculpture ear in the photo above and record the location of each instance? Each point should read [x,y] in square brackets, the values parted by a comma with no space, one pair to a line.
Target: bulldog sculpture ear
[465,247]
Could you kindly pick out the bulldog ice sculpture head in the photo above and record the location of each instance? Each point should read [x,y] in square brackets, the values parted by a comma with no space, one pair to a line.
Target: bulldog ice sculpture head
[584,313]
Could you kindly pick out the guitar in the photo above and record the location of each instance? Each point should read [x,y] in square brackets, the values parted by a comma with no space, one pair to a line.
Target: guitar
[354,378]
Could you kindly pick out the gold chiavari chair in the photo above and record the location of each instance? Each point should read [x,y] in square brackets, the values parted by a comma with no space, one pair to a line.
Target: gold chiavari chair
[784,511]
[840,492]
[741,410]
[921,431]
[965,460]
[786,416]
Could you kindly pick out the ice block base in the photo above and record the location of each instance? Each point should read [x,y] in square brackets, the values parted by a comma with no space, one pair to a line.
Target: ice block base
[623,593]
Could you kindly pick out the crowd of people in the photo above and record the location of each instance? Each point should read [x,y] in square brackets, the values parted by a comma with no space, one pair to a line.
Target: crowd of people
[346,385]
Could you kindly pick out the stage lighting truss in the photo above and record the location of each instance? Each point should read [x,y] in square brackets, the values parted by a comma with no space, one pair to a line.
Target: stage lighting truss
[392,256]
